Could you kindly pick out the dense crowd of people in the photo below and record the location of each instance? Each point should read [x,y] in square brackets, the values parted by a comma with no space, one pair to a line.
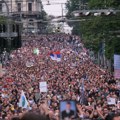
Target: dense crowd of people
[75,77]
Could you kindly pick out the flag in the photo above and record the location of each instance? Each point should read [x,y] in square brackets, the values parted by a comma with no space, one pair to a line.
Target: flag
[1,71]
[56,56]
[23,100]
[36,51]
[52,56]
[117,66]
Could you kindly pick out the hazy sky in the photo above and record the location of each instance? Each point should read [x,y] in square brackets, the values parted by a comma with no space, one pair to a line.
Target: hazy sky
[55,8]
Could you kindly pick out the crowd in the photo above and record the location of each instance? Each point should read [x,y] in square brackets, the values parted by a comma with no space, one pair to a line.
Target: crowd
[75,77]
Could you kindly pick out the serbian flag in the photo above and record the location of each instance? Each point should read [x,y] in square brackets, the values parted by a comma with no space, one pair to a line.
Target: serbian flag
[55,56]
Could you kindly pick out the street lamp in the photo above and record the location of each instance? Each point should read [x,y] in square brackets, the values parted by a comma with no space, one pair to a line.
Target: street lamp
[95,12]
[87,13]
[76,14]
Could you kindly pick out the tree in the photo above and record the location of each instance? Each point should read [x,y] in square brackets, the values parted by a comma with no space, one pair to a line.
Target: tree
[73,5]
[101,28]
[102,4]
[2,19]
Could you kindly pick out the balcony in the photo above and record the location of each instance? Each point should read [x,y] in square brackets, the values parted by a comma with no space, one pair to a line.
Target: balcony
[30,0]
[27,14]
[18,0]
[13,34]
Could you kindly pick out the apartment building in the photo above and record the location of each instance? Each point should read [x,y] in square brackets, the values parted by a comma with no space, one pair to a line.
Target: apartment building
[28,12]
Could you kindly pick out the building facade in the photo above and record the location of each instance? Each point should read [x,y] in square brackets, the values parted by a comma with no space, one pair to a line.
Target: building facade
[28,12]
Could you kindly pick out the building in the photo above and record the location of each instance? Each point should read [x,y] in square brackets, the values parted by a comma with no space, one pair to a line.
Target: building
[28,12]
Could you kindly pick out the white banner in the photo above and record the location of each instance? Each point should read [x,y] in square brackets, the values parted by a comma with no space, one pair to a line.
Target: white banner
[117,66]
[29,64]
[117,61]
[43,86]
[111,101]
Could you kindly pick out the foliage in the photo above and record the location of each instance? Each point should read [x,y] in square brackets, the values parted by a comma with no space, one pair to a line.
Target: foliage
[2,19]
[101,28]
[72,5]
[102,4]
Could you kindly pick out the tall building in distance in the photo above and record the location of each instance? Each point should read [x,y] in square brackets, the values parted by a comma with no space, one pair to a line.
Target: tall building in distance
[28,12]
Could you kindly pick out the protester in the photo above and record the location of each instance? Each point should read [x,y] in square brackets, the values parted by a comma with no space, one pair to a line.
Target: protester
[73,77]
[33,116]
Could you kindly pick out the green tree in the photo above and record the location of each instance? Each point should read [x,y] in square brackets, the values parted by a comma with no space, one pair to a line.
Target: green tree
[101,28]
[101,4]
[2,19]
[72,5]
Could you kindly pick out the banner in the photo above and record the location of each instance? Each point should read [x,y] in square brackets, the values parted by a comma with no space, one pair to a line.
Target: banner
[111,101]
[43,86]
[1,71]
[29,64]
[117,66]
[23,100]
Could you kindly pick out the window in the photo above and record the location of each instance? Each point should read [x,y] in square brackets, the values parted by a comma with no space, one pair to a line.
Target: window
[19,7]
[0,7]
[31,22]
[29,7]
[4,28]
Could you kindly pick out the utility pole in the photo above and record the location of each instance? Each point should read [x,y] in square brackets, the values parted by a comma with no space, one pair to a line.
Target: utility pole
[11,6]
[62,9]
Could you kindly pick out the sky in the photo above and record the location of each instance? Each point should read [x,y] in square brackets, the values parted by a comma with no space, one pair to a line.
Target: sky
[55,8]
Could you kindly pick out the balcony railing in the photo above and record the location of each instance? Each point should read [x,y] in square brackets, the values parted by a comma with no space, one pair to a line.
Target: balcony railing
[18,0]
[27,12]
[5,34]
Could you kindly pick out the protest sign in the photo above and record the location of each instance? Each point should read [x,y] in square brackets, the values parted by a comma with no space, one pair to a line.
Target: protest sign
[43,86]
[111,101]
[29,64]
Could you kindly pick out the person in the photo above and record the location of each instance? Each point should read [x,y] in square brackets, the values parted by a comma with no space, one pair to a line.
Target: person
[68,112]
[33,116]
[26,69]
[116,117]
[112,116]
[15,118]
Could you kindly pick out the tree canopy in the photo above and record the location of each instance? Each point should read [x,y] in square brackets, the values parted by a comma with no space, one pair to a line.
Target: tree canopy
[96,29]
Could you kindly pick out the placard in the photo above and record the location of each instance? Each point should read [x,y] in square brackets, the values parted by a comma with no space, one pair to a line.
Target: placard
[111,101]
[43,86]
